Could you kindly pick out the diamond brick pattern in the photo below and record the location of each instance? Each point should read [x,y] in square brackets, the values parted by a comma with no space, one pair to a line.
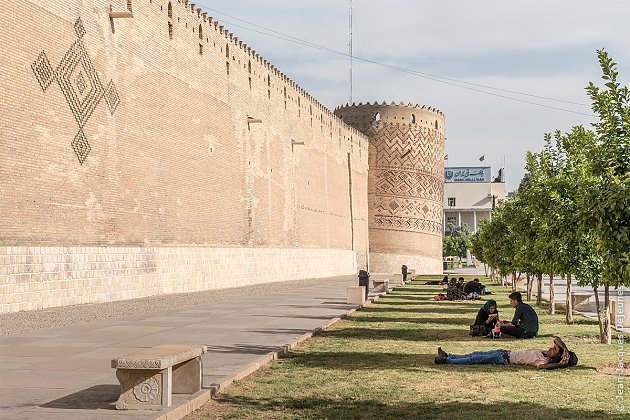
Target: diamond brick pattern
[76,62]
[111,97]
[44,73]
[79,29]
[81,146]
[405,183]
[80,85]
[407,224]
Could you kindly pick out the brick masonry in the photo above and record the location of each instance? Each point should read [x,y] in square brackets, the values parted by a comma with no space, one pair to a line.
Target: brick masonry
[139,138]
[41,277]
[405,185]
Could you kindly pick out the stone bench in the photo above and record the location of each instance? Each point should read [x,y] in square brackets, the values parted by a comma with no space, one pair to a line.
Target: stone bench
[579,298]
[381,285]
[149,377]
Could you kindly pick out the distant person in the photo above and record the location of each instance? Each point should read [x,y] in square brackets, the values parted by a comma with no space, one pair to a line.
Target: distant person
[525,321]
[473,286]
[460,283]
[445,280]
[557,356]
[453,291]
[487,317]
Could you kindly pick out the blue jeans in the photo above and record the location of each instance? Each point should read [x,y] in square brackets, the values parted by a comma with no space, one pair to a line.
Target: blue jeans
[492,357]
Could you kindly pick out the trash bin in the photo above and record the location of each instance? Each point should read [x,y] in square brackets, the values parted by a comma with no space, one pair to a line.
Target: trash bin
[404,273]
[445,265]
[364,280]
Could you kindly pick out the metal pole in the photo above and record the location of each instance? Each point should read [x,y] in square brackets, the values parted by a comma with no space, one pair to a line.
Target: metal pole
[350,46]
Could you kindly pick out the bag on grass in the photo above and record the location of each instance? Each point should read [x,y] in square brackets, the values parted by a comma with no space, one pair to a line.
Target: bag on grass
[478,330]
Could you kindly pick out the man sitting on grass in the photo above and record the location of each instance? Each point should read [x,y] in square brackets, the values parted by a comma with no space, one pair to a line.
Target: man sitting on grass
[558,356]
[525,321]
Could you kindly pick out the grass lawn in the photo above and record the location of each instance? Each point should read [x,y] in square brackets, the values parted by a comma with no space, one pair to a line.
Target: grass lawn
[379,363]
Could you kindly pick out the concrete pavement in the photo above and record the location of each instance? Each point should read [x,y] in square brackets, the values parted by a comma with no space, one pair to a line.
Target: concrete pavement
[65,372]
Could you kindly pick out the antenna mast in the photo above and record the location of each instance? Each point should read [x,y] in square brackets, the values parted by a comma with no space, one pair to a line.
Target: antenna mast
[350,46]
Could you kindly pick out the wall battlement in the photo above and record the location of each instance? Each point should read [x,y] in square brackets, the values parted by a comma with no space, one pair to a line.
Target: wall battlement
[363,115]
[249,61]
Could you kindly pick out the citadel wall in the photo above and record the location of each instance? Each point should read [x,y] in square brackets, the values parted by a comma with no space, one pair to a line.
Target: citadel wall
[133,161]
[405,185]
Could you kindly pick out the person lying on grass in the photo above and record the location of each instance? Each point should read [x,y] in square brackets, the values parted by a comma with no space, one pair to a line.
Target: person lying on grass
[557,356]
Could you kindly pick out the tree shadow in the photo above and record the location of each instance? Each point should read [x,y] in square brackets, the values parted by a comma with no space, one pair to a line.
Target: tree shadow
[435,311]
[242,349]
[411,334]
[366,408]
[446,321]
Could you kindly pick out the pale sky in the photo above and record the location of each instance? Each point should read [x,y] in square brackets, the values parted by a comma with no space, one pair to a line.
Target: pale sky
[543,48]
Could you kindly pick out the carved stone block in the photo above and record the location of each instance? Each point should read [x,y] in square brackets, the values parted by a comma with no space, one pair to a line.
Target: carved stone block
[356,295]
[397,279]
[381,285]
[144,389]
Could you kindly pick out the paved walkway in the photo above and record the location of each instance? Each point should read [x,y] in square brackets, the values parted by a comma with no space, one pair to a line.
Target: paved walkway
[65,372]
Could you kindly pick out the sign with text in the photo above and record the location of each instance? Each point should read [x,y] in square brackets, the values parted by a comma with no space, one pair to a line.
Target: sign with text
[467,174]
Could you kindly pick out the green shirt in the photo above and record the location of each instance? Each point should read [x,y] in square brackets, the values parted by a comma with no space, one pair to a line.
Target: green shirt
[525,317]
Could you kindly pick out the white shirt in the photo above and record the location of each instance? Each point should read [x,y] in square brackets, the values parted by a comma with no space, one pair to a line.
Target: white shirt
[528,357]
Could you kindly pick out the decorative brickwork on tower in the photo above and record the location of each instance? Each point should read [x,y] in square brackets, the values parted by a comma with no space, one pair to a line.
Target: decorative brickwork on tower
[405,183]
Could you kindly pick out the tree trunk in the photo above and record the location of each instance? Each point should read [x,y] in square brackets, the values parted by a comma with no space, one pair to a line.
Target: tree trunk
[514,281]
[599,314]
[539,290]
[503,280]
[529,287]
[607,337]
[485,268]
[569,301]
[552,297]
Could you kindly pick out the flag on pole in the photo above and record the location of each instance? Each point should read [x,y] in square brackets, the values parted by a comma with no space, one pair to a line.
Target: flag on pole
[481,159]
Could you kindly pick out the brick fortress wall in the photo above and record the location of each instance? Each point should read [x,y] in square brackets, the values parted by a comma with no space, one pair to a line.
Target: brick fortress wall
[406,183]
[128,167]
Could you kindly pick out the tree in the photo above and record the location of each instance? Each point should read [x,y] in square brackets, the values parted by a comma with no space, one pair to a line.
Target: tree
[599,181]
[604,212]
[456,241]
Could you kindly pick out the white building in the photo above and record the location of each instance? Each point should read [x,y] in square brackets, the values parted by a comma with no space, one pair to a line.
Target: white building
[470,194]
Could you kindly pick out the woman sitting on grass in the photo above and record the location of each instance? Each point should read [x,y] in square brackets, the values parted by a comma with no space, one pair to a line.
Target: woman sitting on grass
[557,356]
[487,317]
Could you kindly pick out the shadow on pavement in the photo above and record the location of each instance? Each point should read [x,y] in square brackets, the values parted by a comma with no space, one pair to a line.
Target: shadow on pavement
[98,397]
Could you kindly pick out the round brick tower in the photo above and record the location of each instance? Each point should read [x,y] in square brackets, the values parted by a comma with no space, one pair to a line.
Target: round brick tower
[405,184]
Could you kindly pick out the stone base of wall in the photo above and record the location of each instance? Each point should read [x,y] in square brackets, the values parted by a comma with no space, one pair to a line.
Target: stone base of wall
[42,277]
[392,263]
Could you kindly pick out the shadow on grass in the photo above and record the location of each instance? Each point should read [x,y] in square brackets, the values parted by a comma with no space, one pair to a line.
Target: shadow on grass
[446,304]
[435,311]
[460,322]
[411,334]
[359,408]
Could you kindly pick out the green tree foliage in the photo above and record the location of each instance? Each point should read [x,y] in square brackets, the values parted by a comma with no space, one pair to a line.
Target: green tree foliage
[456,241]
[571,214]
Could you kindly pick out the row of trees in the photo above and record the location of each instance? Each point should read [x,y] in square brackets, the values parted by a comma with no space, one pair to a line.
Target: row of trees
[571,213]
[456,241]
